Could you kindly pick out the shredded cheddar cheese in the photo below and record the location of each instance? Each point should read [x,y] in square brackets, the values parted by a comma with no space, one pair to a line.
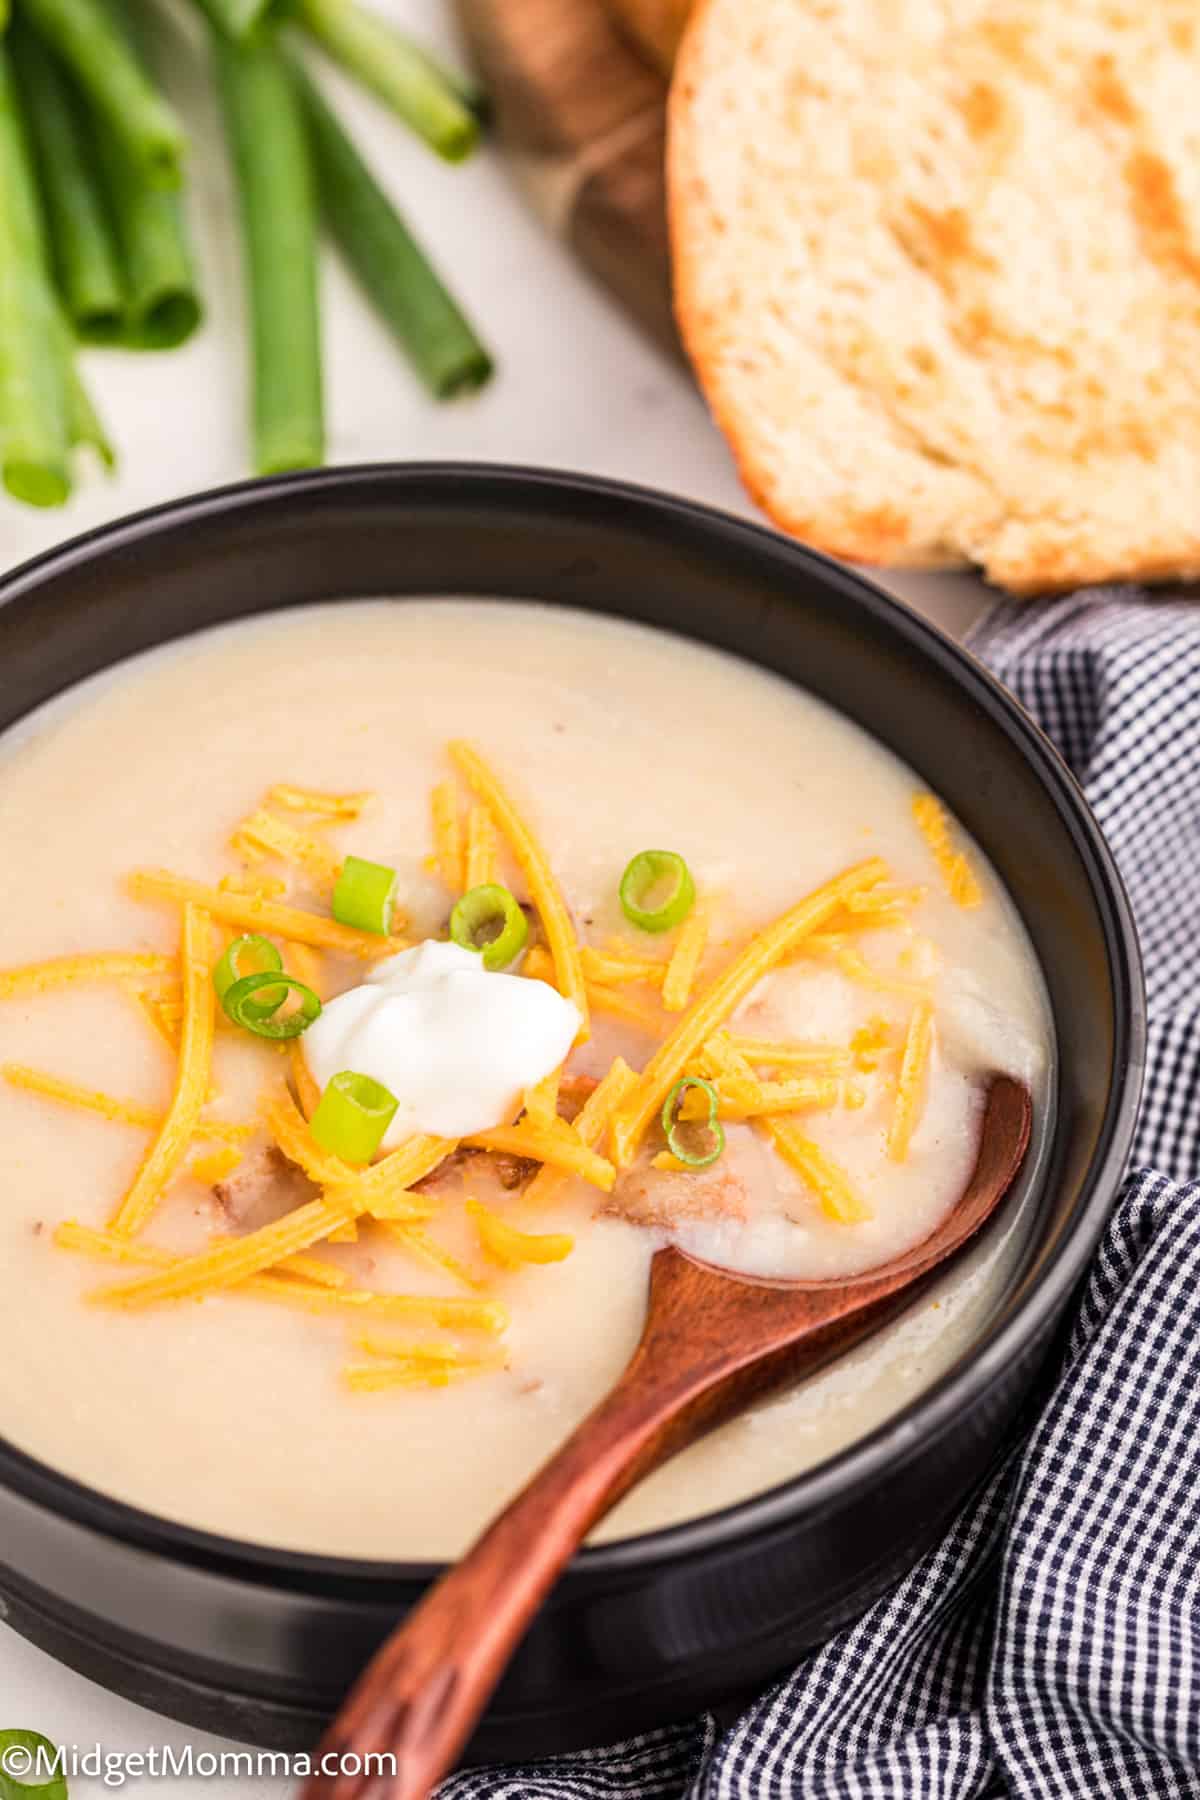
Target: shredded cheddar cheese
[267,887]
[381,1190]
[264,832]
[618,1003]
[613,970]
[589,1126]
[914,1062]
[250,912]
[410,1349]
[685,962]
[418,1243]
[304,1268]
[311,800]
[958,877]
[453,1313]
[162,1016]
[664,1160]
[120,1112]
[828,1181]
[214,1166]
[483,858]
[368,1378]
[740,1097]
[447,835]
[229,1264]
[510,1248]
[535,866]
[307,1091]
[858,969]
[191,1082]
[724,995]
[302,961]
[562,1147]
[541,1100]
[869,1043]
[69,971]
[784,1053]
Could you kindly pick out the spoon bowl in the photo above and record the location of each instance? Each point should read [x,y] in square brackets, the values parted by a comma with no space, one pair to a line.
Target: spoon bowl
[712,1342]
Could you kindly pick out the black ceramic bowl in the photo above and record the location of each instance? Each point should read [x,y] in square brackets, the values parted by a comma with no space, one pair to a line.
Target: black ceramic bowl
[261,1644]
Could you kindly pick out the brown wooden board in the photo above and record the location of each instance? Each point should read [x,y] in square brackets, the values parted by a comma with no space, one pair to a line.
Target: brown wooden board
[583,118]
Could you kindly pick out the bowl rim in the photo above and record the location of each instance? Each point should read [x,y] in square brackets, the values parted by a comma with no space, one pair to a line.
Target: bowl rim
[902,1435]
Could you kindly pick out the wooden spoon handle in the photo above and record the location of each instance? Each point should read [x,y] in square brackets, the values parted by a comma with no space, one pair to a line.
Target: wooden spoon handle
[420,1696]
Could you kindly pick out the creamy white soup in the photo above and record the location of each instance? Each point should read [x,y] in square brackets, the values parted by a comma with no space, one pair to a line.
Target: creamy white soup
[343,1290]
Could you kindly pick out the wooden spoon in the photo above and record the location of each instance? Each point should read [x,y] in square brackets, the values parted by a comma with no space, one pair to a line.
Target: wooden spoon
[712,1342]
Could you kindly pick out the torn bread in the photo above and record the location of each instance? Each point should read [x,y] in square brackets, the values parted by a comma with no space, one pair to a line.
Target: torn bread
[937,265]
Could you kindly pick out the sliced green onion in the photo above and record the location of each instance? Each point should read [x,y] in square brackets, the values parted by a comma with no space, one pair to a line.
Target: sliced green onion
[489,921]
[262,1017]
[31,1767]
[672,1125]
[352,1116]
[251,954]
[364,895]
[657,890]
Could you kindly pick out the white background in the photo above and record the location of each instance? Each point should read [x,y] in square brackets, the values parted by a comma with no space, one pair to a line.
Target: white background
[577,388]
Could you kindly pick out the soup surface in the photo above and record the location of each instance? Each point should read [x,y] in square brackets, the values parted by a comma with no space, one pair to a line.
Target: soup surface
[848,1079]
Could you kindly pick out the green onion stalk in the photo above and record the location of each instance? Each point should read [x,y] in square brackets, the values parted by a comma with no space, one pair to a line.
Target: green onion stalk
[441,107]
[83,248]
[162,298]
[34,413]
[272,163]
[84,35]
[387,260]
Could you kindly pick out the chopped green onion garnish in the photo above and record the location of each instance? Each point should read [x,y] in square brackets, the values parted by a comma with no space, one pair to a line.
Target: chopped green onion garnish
[31,1767]
[364,895]
[352,1116]
[489,921]
[657,890]
[251,954]
[263,1017]
[672,1125]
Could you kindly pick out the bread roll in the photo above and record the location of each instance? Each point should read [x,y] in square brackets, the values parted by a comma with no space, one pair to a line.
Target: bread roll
[937,265]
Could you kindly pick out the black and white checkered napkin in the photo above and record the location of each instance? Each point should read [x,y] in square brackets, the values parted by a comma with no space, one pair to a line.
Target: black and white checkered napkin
[1049,1649]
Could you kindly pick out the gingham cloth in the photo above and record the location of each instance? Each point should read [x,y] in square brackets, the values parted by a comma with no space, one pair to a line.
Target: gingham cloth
[1049,1649]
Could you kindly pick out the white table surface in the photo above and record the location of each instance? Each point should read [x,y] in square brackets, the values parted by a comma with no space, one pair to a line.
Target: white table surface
[577,388]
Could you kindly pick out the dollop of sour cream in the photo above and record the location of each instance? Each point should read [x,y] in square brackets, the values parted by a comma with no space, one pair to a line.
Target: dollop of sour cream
[454,1042]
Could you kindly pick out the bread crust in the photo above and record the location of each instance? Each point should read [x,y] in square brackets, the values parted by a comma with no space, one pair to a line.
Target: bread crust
[928,341]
